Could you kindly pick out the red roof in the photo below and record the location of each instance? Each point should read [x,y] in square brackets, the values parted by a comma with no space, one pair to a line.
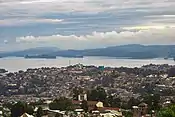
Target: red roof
[89,102]
[110,108]
[76,102]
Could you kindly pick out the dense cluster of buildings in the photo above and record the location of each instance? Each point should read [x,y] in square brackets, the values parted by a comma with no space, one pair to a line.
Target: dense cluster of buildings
[124,83]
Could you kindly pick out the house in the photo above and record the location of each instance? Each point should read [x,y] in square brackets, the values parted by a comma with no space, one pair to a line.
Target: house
[52,113]
[96,107]
[140,110]
[26,115]
[108,111]
[91,104]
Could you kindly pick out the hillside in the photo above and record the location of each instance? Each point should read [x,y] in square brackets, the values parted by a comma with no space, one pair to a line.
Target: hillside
[128,51]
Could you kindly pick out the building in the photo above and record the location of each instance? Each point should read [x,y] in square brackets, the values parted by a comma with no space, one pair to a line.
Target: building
[141,110]
[26,115]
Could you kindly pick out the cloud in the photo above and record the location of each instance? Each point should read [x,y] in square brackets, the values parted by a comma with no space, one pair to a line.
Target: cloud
[17,22]
[45,6]
[146,36]
[148,27]
[87,23]
[151,11]
[5,41]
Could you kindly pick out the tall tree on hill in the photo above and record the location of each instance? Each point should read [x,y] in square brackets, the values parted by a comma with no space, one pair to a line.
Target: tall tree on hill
[84,105]
[39,112]
[76,92]
[20,108]
[113,101]
[132,102]
[98,94]
[167,112]
[61,104]
[153,101]
[17,109]
[171,72]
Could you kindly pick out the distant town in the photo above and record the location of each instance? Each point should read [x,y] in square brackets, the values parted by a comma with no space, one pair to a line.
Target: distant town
[80,91]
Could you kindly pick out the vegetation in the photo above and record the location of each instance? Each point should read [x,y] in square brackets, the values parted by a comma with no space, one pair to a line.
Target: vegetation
[171,72]
[153,101]
[61,104]
[167,112]
[3,71]
[98,94]
[127,114]
[39,112]
[113,101]
[20,108]
[84,106]
[76,92]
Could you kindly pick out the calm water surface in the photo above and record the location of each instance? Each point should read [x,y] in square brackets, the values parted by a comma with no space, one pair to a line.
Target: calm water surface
[15,63]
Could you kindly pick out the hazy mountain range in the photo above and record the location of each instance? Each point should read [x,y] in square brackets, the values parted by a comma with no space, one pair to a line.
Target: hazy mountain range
[128,51]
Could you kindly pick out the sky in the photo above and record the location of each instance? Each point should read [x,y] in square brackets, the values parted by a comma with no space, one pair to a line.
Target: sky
[82,24]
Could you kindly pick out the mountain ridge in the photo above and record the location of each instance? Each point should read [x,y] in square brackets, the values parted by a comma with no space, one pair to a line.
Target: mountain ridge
[134,51]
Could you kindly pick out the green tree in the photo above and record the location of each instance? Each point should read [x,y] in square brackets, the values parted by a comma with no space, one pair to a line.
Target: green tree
[61,104]
[57,115]
[113,101]
[84,105]
[132,102]
[166,112]
[20,108]
[98,94]
[17,109]
[76,92]
[171,72]
[29,109]
[153,101]
[127,114]
[39,112]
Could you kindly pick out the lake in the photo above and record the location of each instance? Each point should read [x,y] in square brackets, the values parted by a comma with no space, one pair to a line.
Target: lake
[14,64]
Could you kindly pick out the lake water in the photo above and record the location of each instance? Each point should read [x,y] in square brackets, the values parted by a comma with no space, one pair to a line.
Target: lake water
[14,64]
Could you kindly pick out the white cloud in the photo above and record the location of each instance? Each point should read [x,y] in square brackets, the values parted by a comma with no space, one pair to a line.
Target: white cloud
[152,22]
[33,8]
[45,6]
[149,27]
[100,39]
[5,41]
[14,22]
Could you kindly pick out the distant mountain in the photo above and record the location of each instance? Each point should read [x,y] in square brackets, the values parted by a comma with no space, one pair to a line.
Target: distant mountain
[32,51]
[133,51]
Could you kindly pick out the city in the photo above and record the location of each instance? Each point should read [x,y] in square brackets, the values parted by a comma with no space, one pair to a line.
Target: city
[87,58]
[122,89]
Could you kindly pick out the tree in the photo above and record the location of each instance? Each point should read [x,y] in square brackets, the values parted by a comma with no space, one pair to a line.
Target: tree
[166,112]
[132,102]
[57,115]
[39,112]
[20,108]
[113,101]
[3,71]
[76,92]
[153,101]
[98,94]
[127,114]
[171,72]
[84,105]
[61,104]
[29,109]
[17,109]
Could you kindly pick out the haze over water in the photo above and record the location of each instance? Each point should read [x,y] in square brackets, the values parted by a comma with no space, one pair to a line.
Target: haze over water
[15,63]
